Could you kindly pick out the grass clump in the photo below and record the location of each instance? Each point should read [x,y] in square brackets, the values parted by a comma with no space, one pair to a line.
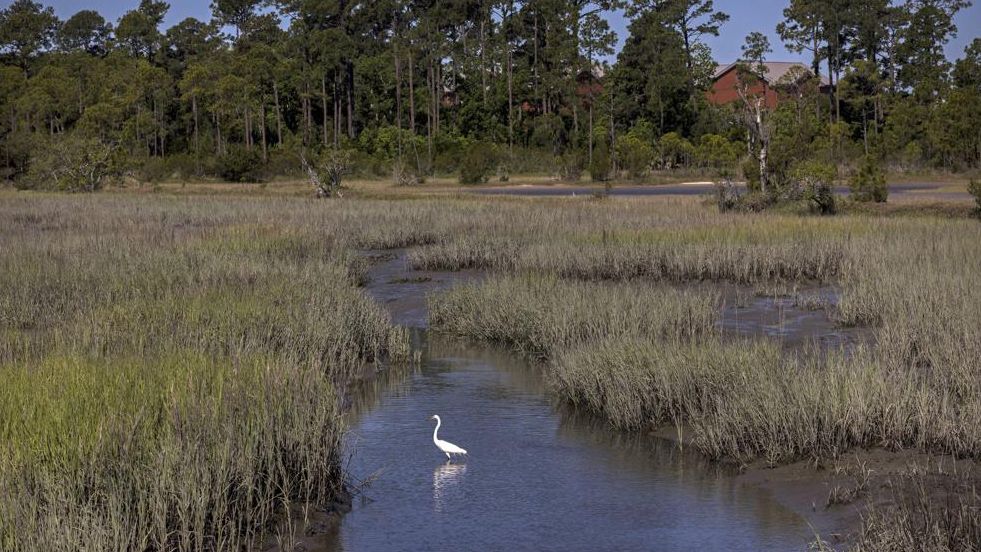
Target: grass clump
[541,316]
[746,401]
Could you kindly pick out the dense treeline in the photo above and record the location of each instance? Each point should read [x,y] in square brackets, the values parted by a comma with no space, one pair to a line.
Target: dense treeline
[504,85]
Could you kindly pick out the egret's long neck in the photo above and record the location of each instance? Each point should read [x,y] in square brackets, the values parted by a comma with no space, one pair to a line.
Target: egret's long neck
[438,421]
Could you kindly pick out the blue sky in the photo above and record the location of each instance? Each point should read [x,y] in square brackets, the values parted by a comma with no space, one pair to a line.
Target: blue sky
[746,16]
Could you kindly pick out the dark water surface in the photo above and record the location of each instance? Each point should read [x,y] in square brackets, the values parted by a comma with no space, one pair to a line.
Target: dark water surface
[537,477]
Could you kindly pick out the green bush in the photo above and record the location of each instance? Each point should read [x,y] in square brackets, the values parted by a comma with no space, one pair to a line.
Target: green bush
[674,151]
[153,170]
[750,168]
[869,183]
[599,169]
[478,162]
[815,181]
[716,151]
[72,163]
[239,164]
[726,196]
[974,188]
[326,170]
[569,166]
[635,155]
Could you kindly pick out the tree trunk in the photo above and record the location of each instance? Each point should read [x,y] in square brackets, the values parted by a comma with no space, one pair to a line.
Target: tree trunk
[247,131]
[534,63]
[337,115]
[218,134]
[590,133]
[279,114]
[430,109]
[763,141]
[350,100]
[613,137]
[398,91]
[323,96]
[398,99]
[304,106]
[412,95]
[197,137]
[262,132]
[510,99]
[483,64]
[438,72]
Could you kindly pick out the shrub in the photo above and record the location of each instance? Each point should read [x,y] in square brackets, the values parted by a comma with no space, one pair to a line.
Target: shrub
[974,188]
[601,164]
[503,172]
[570,165]
[754,202]
[635,155]
[71,163]
[404,175]
[239,164]
[869,184]
[674,151]
[716,151]
[726,195]
[154,170]
[815,181]
[477,163]
[184,166]
[325,171]
[750,168]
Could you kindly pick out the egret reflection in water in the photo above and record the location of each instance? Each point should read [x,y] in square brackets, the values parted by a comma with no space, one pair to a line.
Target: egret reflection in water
[445,478]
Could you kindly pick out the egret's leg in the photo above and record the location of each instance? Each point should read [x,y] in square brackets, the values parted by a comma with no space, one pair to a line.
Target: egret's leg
[448,456]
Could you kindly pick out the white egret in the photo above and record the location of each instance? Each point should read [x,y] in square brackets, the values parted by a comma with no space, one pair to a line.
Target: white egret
[447,447]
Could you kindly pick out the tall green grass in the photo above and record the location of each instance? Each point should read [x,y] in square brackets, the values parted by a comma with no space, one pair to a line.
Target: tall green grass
[173,370]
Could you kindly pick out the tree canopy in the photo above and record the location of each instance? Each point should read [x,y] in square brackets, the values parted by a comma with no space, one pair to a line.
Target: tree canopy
[419,82]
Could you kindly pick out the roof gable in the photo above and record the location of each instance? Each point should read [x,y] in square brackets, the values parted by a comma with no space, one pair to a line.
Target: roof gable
[775,70]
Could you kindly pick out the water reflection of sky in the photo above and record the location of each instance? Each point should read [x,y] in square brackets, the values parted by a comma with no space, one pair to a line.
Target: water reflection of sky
[445,478]
[536,478]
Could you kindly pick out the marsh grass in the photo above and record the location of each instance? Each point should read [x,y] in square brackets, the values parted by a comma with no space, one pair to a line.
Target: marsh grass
[226,328]
[747,401]
[173,369]
[589,302]
[542,316]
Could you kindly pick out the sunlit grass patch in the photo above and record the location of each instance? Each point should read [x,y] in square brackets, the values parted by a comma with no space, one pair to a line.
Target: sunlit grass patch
[542,316]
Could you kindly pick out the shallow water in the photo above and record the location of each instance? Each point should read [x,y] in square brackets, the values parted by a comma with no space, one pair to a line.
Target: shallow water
[798,322]
[537,477]
[404,291]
